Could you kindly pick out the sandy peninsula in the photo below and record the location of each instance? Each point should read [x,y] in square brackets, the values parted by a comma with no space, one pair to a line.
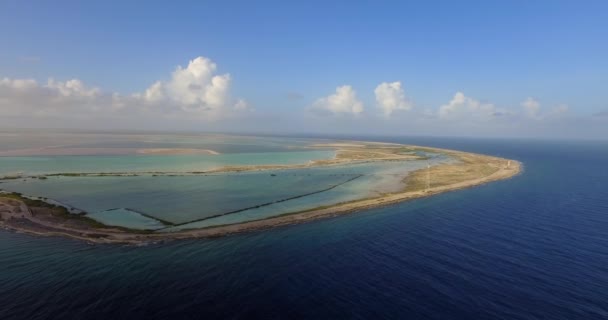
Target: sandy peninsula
[38,217]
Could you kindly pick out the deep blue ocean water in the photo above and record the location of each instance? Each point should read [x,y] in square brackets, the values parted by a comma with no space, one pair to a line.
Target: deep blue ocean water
[532,247]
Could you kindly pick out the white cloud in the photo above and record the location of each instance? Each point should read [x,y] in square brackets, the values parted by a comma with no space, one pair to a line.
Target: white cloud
[72,88]
[154,93]
[195,89]
[26,97]
[195,92]
[463,107]
[531,107]
[242,105]
[532,110]
[18,84]
[344,101]
[559,110]
[198,92]
[197,86]
[390,97]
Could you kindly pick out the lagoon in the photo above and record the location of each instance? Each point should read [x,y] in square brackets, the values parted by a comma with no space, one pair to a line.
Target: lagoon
[173,192]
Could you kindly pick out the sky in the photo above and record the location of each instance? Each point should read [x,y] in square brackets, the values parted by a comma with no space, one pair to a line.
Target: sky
[534,69]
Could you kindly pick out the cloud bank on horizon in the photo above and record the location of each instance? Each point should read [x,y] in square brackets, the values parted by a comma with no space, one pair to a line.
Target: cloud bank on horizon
[197,93]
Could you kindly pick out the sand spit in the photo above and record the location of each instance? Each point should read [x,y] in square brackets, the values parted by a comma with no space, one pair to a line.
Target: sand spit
[72,151]
[471,170]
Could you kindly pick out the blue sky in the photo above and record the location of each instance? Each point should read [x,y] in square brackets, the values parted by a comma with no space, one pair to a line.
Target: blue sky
[283,57]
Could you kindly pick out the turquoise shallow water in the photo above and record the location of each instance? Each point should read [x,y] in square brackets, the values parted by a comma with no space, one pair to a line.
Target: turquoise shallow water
[12,140]
[183,199]
[126,218]
[175,199]
[150,163]
[375,179]
[195,201]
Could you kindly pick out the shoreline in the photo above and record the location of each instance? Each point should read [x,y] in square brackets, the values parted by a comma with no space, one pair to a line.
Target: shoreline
[452,173]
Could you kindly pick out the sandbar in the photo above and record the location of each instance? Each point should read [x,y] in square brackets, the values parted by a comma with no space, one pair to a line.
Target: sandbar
[89,151]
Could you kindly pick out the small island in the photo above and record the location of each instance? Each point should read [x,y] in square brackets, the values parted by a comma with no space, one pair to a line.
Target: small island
[45,217]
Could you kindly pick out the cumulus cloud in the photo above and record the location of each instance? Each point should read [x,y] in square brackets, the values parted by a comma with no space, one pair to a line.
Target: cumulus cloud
[242,105]
[194,91]
[391,97]
[18,84]
[531,107]
[198,91]
[154,93]
[462,106]
[28,97]
[344,101]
